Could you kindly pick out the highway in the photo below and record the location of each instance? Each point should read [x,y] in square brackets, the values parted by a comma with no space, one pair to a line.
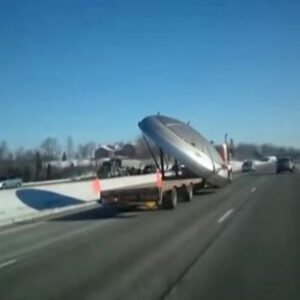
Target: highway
[238,242]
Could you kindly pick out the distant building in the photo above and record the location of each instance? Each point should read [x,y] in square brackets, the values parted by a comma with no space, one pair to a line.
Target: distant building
[108,151]
[67,164]
[104,151]
[128,150]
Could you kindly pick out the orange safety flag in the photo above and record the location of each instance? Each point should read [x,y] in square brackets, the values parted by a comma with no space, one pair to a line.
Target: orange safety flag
[96,187]
[158,179]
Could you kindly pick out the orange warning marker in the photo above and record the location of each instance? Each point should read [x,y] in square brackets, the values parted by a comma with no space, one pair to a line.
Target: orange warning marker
[158,179]
[96,187]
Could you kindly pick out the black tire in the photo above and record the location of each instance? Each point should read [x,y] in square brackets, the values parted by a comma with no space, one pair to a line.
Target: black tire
[189,192]
[170,199]
[199,186]
[4,187]
[185,193]
[229,176]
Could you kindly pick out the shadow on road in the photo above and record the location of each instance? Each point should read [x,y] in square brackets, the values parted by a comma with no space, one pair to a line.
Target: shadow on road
[204,192]
[263,173]
[42,200]
[95,214]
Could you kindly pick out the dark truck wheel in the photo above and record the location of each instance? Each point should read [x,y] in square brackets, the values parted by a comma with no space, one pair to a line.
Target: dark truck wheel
[169,200]
[199,186]
[189,193]
[185,193]
[230,176]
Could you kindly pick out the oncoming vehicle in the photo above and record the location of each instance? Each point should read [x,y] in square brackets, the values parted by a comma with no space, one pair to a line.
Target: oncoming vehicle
[248,166]
[10,182]
[285,164]
[148,169]
[112,168]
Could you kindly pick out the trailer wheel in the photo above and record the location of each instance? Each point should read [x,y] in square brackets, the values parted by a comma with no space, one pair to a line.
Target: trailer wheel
[230,176]
[185,193]
[199,186]
[160,198]
[169,200]
[189,192]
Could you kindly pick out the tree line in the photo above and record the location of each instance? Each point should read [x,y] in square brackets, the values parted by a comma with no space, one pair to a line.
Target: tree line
[240,151]
[34,164]
[49,149]
[254,151]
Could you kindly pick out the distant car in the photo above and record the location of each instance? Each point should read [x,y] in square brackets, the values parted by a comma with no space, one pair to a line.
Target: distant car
[294,163]
[270,159]
[285,164]
[248,166]
[10,182]
[148,169]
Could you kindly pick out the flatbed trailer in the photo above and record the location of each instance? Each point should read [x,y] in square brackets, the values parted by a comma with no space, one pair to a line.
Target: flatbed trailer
[165,192]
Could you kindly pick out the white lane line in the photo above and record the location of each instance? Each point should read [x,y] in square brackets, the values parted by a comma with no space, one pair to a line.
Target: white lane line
[229,212]
[8,263]
[21,228]
[253,189]
[38,246]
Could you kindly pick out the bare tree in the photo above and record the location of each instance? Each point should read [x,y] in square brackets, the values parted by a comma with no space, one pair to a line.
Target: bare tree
[49,170]
[86,150]
[28,156]
[38,165]
[80,151]
[64,157]
[70,147]
[253,151]
[4,151]
[50,149]
[19,154]
[22,156]
[27,174]
[141,147]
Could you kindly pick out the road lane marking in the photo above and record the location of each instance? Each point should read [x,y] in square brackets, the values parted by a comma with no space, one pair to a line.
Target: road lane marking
[8,263]
[38,246]
[253,189]
[21,228]
[228,213]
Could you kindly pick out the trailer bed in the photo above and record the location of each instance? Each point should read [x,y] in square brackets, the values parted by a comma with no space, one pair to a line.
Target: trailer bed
[164,193]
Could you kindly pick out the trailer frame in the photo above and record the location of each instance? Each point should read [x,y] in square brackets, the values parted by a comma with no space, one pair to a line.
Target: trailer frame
[165,191]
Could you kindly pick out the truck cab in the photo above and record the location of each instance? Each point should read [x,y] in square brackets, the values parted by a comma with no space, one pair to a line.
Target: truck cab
[111,168]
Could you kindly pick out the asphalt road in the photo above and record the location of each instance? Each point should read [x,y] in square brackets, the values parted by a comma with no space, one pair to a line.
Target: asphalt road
[239,242]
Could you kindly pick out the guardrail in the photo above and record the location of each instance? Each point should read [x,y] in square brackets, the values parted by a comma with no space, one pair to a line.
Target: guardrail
[56,181]
[35,200]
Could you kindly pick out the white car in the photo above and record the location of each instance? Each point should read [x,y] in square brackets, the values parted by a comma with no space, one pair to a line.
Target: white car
[248,166]
[10,182]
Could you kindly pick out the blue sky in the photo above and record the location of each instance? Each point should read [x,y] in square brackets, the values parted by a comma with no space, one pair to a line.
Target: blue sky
[93,69]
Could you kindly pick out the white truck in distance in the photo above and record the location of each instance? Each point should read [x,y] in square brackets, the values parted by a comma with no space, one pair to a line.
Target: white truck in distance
[10,183]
